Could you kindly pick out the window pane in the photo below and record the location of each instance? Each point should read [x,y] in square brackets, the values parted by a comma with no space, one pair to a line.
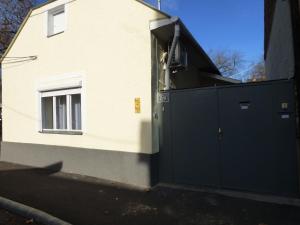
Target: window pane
[47,113]
[61,112]
[76,112]
[58,22]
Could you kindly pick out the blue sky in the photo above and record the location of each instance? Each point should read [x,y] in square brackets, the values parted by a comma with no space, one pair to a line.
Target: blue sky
[222,24]
[40,1]
[234,25]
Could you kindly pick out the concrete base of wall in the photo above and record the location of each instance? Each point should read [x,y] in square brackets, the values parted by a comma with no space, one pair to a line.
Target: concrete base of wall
[129,168]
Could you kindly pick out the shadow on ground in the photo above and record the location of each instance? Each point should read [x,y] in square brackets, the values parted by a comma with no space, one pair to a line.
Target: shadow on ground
[88,201]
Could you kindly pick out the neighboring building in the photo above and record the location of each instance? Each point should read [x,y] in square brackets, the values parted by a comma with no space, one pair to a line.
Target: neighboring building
[86,94]
[282,46]
[282,38]
[282,42]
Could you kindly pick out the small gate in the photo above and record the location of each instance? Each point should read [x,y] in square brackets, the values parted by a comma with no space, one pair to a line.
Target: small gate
[238,137]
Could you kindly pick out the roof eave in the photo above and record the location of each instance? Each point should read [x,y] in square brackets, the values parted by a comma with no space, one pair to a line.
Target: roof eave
[50,1]
[158,24]
[153,8]
[200,48]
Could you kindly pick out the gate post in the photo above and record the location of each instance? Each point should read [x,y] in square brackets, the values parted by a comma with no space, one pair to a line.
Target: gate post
[165,139]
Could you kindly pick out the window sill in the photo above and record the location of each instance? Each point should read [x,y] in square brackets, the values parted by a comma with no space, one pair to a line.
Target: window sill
[74,132]
[51,35]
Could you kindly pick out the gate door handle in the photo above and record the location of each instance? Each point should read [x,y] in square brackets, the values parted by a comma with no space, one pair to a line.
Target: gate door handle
[220,132]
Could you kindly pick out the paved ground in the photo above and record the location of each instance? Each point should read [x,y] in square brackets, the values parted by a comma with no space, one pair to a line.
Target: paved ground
[89,201]
[7,218]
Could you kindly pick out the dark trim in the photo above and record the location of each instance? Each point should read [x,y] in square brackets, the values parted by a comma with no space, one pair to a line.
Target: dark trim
[137,169]
[295,18]
[52,35]
[295,14]
[154,88]
[269,11]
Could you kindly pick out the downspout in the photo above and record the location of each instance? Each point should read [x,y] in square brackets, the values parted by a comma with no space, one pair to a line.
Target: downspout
[159,4]
[171,53]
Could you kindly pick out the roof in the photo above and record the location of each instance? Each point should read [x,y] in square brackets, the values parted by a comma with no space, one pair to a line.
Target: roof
[50,1]
[153,8]
[140,1]
[164,30]
[200,49]
[186,31]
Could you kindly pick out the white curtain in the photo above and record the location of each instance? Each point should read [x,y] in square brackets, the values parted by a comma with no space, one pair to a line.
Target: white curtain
[76,112]
[61,112]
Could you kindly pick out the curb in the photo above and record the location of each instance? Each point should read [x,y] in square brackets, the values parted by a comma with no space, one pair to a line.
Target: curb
[273,199]
[30,213]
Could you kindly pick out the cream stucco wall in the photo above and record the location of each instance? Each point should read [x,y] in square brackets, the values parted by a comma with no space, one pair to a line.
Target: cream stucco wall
[107,44]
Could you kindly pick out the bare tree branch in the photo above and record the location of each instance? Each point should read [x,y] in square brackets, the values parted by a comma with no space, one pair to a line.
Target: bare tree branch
[257,73]
[228,62]
[12,14]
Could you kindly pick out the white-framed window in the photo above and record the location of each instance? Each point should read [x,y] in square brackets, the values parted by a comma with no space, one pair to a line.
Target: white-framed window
[56,20]
[61,110]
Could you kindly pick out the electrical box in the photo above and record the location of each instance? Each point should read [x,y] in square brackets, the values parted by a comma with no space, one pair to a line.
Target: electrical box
[137,105]
[180,57]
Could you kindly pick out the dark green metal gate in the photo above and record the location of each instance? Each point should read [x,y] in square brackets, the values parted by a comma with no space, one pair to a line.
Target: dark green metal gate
[238,137]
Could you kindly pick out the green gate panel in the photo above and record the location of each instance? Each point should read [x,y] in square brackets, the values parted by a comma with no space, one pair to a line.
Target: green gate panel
[240,137]
[194,129]
[258,144]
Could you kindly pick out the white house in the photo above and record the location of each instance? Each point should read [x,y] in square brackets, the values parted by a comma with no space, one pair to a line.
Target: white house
[84,87]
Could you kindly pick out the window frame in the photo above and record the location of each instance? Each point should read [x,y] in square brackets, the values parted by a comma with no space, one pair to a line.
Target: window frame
[64,92]
[50,20]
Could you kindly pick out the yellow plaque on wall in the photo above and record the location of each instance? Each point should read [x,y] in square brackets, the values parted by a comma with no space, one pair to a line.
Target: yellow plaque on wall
[137,105]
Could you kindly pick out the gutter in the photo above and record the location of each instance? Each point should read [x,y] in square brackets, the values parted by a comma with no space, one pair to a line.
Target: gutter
[157,24]
[162,23]
[170,55]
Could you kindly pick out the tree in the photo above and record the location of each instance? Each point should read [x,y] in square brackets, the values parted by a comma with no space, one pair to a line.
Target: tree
[229,63]
[257,73]
[12,14]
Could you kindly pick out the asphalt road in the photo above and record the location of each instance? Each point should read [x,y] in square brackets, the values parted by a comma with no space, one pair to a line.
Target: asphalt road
[89,201]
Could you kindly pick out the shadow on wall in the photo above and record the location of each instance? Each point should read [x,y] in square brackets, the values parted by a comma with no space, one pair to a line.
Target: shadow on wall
[148,129]
[53,168]
[150,160]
